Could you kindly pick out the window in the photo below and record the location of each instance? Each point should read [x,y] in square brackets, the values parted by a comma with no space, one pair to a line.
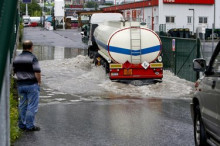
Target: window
[203,20]
[170,19]
[200,19]
[189,19]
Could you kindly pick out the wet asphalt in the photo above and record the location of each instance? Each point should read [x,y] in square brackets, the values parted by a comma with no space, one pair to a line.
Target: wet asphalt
[59,38]
[122,121]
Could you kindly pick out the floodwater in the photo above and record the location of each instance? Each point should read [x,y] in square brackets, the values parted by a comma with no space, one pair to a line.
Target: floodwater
[69,71]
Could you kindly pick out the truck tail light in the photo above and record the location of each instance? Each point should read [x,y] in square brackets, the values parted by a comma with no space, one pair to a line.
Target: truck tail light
[196,84]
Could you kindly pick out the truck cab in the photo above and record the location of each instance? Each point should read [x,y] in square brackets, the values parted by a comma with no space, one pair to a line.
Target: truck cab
[88,29]
[26,20]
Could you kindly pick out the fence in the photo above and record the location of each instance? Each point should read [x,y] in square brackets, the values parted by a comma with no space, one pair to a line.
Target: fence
[178,55]
[8,32]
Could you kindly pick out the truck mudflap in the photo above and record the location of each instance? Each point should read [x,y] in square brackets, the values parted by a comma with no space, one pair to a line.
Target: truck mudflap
[136,71]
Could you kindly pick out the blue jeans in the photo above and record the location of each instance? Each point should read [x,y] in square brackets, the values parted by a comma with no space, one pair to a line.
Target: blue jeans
[28,105]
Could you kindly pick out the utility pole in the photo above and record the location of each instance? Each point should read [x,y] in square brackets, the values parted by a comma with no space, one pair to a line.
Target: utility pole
[26,10]
[214,12]
[42,13]
[213,29]
[193,19]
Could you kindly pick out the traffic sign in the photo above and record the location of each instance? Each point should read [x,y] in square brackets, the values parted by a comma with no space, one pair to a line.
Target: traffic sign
[26,1]
[173,45]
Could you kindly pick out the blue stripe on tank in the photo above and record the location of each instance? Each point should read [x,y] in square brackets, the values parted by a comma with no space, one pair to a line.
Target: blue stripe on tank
[128,51]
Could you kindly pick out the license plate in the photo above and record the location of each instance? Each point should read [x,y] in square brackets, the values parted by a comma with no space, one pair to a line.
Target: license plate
[113,66]
[156,65]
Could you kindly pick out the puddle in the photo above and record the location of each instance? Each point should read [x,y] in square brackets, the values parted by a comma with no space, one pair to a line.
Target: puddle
[56,53]
[48,96]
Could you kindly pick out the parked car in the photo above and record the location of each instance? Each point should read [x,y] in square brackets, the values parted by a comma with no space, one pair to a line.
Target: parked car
[33,24]
[205,106]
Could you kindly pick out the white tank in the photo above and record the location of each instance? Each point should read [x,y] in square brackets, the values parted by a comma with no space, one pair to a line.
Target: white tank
[127,41]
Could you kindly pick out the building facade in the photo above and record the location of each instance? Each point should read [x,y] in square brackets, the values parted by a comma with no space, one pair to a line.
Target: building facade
[68,2]
[167,14]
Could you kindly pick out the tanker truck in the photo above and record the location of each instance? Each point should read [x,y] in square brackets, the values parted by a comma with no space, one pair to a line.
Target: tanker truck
[127,50]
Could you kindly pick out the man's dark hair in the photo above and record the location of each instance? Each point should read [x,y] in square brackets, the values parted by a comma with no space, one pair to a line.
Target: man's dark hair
[27,45]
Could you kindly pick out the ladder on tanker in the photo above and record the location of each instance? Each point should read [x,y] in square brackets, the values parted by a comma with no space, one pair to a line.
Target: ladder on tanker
[135,42]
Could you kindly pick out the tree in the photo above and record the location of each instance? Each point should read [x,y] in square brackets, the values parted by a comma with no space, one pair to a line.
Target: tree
[91,4]
[33,9]
[108,4]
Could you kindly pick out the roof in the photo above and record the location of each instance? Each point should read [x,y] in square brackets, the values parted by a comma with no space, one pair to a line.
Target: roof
[133,5]
[150,3]
[102,17]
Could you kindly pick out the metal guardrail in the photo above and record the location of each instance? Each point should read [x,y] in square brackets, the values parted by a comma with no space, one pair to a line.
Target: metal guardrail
[8,32]
[8,29]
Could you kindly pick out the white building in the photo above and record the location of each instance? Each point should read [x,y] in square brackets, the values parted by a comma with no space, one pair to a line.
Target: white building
[68,2]
[217,13]
[173,13]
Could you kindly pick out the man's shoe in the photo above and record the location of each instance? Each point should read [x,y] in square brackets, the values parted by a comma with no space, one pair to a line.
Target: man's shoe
[35,128]
[23,129]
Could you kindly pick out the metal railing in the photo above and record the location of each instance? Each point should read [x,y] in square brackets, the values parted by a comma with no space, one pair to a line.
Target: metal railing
[8,32]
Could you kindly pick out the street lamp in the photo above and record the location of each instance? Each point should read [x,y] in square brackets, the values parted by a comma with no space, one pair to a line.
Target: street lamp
[213,28]
[26,13]
[42,13]
[193,19]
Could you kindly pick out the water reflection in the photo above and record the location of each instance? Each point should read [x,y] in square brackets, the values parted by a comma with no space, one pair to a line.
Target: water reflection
[57,53]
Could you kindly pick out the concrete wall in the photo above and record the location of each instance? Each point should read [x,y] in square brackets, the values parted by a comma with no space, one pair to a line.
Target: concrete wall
[217,13]
[148,16]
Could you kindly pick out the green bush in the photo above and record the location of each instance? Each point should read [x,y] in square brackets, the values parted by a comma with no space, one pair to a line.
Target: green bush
[34,8]
[21,27]
[14,130]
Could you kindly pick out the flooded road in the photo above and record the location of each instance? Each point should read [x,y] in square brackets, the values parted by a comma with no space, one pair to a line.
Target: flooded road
[81,106]
[79,77]
[127,122]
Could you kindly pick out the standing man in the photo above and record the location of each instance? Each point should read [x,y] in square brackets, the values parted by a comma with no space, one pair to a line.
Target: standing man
[28,72]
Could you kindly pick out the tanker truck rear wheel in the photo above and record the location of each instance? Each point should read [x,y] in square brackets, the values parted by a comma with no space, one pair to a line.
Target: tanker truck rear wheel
[90,54]
[106,66]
